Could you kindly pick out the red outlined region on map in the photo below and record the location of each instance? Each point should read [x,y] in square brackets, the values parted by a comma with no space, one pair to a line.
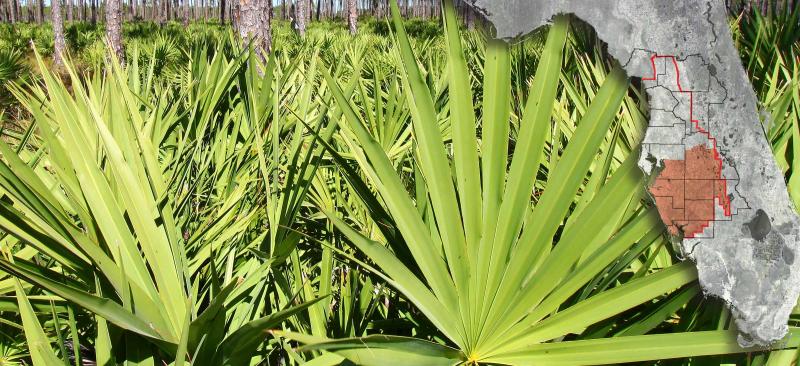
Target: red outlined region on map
[687,191]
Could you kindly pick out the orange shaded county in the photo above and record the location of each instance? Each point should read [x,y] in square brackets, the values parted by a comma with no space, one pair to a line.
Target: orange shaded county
[686,191]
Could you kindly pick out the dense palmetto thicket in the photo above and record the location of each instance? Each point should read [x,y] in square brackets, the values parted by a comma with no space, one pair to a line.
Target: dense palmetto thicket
[413,194]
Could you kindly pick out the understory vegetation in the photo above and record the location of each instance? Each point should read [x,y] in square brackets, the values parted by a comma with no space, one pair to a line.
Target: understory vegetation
[414,194]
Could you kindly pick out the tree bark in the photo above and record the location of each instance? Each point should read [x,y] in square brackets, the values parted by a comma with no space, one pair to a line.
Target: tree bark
[59,47]
[300,17]
[254,25]
[40,12]
[222,12]
[94,11]
[352,16]
[114,29]
[185,13]
[14,11]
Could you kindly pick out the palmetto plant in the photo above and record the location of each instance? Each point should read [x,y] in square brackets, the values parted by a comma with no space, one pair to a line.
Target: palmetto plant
[142,211]
[522,262]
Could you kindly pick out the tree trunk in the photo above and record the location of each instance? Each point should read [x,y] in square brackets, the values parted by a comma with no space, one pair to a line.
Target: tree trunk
[352,16]
[222,10]
[58,33]
[94,11]
[185,13]
[114,29]
[40,12]
[300,17]
[254,25]
[14,11]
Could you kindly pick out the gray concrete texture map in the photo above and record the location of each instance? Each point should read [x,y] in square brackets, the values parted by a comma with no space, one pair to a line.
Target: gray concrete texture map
[715,181]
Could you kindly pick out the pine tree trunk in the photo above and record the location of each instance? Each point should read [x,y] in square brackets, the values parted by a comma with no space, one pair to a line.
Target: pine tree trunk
[352,16]
[254,25]
[300,17]
[185,13]
[222,12]
[14,11]
[40,12]
[59,47]
[94,11]
[114,28]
